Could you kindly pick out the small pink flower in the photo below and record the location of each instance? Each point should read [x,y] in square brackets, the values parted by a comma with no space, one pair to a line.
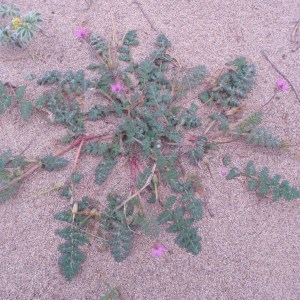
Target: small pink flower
[158,249]
[223,172]
[117,87]
[81,33]
[282,85]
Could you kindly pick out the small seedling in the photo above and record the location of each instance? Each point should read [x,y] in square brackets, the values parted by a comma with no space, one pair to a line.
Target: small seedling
[20,29]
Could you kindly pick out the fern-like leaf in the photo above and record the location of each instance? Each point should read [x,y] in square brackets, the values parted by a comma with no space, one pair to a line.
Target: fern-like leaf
[190,118]
[195,209]
[76,177]
[191,79]
[232,86]
[165,217]
[120,240]
[103,170]
[250,169]
[223,121]
[50,77]
[26,109]
[4,158]
[130,38]
[189,239]
[71,256]
[249,123]
[198,152]
[264,184]
[262,137]
[234,172]
[8,192]
[180,225]
[99,44]
[52,163]
[5,99]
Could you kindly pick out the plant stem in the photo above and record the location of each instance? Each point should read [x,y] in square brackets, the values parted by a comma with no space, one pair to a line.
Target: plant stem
[139,191]
[280,73]
[267,102]
[75,143]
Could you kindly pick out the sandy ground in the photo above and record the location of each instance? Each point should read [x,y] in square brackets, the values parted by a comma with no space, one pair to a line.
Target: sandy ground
[251,248]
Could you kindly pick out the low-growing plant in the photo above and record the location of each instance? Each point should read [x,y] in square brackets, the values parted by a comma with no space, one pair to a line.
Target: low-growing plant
[151,127]
[20,29]
[112,294]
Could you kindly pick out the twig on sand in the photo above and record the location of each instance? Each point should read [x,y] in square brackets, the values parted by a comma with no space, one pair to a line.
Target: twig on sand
[294,36]
[3,58]
[144,13]
[280,73]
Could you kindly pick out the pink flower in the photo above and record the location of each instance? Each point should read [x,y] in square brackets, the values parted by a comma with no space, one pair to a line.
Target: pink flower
[282,85]
[117,87]
[81,33]
[223,172]
[158,249]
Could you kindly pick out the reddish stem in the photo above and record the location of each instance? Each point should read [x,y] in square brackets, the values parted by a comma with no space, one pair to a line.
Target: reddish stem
[79,141]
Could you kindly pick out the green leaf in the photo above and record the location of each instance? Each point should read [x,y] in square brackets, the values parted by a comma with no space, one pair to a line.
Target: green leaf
[252,184]
[19,162]
[178,213]
[65,216]
[162,41]
[205,97]
[8,192]
[195,209]
[170,201]
[112,294]
[76,177]
[120,240]
[199,151]
[71,259]
[72,234]
[4,158]
[99,44]
[226,160]
[5,99]
[262,137]
[264,185]
[250,169]
[189,240]
[165,217]
[249,123]
[9,10]
[26,109]
[142,177]
[190,118]
[125,57]
[52,163]
[66,191]
[234,172]
[49,77]
[222,119]
[103,170]
[180,225]
[130,39]
[20,92]
[191,79]
[150,225]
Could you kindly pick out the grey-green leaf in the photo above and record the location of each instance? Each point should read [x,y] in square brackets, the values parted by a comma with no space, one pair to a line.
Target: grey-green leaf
[52,163]
[26,110]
